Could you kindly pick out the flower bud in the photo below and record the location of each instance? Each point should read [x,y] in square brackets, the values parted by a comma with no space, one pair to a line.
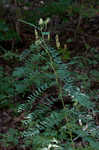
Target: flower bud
[47,21]
[36,35]
[41,22]
[57,41]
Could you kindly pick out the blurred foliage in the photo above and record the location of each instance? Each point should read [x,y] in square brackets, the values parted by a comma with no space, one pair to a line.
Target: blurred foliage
[7,34]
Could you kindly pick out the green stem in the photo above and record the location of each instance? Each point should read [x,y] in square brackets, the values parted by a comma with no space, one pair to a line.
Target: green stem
[51,63]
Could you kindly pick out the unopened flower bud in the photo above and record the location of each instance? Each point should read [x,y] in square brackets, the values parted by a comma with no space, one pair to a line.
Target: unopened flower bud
[57,41]
[47,21]
[41,21]
[36,34]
